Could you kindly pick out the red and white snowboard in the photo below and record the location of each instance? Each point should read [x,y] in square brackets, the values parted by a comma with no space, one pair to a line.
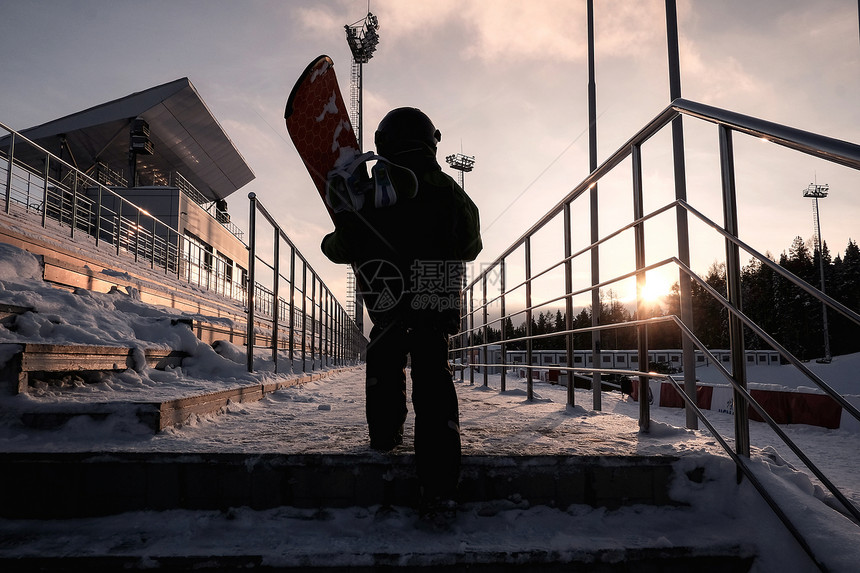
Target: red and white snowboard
[319,125]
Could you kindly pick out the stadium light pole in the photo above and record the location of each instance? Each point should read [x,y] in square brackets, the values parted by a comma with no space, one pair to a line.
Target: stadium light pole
[463,164]
[816,192]
[362,37]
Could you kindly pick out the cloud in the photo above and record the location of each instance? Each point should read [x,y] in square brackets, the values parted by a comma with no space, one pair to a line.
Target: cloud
[516,31]
[718,79]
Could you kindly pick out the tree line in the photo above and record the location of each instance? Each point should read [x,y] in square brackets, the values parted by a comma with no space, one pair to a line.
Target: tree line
[788,313]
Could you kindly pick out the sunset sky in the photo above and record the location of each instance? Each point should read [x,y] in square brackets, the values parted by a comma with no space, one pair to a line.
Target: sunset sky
[503,80]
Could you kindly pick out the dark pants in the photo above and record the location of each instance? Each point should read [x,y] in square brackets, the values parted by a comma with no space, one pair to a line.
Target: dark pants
[434,399]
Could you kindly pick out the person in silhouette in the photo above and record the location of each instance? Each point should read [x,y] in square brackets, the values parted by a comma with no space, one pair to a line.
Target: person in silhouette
[409,242]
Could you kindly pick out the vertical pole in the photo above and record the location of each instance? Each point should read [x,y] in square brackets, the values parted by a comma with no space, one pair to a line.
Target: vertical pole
[358,307]
[332,332]
[684,281]
[118,224]
[252,259]
[137,236]
[502,315]
[484,337]
[568,304]
[359,132]
[641,331]
[330,309]
[10,164]
[304,314]
[99,216]
[596,385]
[167,256]
[338,333]
[464,324]
[827,356]
[276,311]
[325,333]
[528,269]
[45,191]
[292,304]
[471,333]
[313,321]
[733,291]
[152,258]
[75,207]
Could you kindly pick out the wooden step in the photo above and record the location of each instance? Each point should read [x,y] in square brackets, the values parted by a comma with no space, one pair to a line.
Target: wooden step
[30,358]
[8,312]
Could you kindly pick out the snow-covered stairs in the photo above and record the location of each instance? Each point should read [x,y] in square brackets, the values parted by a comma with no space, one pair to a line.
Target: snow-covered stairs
[350,512]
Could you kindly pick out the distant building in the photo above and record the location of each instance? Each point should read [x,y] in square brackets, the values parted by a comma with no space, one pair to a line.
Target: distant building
[163,151]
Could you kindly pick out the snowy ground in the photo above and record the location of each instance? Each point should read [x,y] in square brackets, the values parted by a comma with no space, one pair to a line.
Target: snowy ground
[327,416]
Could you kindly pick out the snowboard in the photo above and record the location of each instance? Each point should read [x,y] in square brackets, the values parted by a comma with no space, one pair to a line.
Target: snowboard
[319,125]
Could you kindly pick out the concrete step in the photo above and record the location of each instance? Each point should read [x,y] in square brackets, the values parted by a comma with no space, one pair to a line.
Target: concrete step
[114,482]
[652,560]
[63,504]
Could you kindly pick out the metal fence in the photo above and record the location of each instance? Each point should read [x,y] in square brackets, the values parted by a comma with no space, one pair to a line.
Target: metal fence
[493,300]
[318,332]
[319,329]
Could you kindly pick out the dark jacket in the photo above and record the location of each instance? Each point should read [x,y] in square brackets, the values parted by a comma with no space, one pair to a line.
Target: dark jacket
[409,257]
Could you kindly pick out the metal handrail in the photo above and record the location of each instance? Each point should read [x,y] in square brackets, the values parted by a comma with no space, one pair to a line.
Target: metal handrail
[343,340]
[823,147]
[473,340]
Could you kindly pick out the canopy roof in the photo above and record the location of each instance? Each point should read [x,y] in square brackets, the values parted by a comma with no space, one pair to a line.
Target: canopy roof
[186,138]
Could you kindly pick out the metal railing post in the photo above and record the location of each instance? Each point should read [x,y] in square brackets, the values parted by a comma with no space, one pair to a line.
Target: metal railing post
[304,314]
[684,282]
[99,215]
[485,331]
[252,259]
[292,304]
[137,236]
[464,321]
[118,226]
[341,337]
[313,321]
[328,338]
[10,164]
[529,354]
[45,190]
[471,334]
[568,304]
[641,331]
[503,319]
[276,310]
[596,384]
[152,257]
[733,290]
[74,203]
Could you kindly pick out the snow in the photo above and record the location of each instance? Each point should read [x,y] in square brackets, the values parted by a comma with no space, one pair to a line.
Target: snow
[327,415]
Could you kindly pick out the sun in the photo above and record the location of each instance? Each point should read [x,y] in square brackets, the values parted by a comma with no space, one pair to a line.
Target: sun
[657,286]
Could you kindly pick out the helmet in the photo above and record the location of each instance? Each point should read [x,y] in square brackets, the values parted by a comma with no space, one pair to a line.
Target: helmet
[402,128]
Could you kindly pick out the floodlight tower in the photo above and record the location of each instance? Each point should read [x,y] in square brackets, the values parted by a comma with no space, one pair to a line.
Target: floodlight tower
[362,37]
[817,192]
[462,163]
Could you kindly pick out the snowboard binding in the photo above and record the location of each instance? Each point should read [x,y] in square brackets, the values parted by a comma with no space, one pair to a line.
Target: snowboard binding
[349,188]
